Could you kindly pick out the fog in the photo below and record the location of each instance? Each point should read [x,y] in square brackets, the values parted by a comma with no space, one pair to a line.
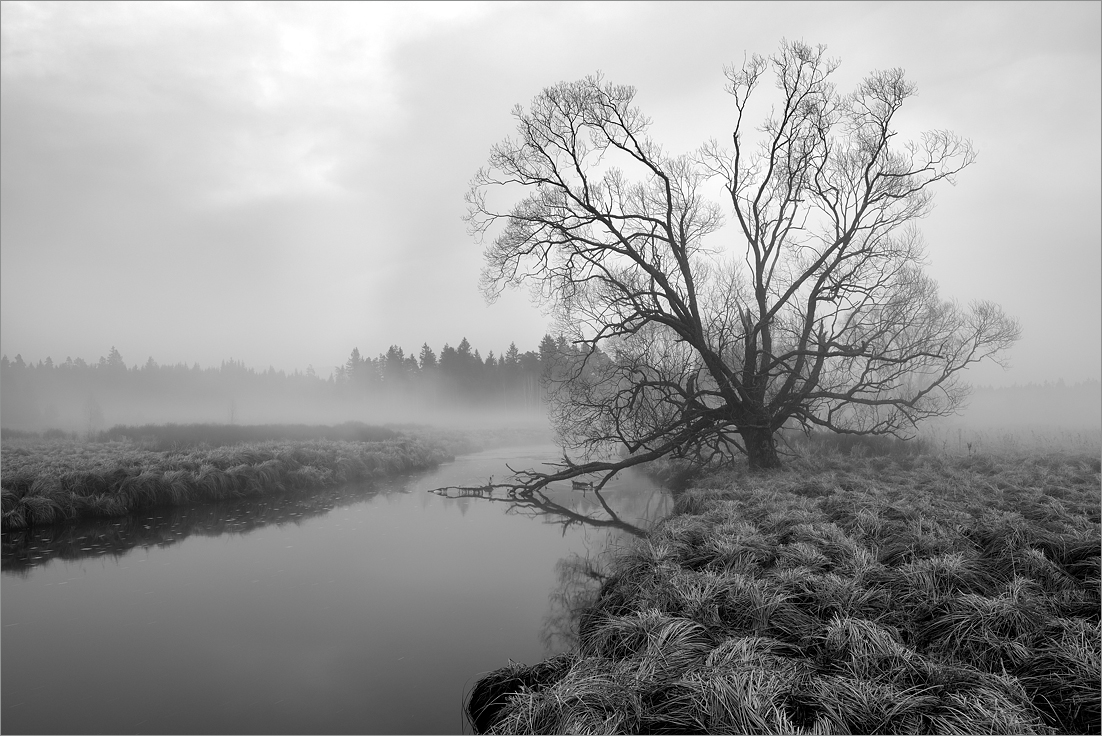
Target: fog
[276,182]
[273,183]
[459,388]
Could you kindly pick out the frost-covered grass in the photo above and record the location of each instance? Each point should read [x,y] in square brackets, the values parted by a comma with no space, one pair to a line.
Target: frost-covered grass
[911,594]
[183,436]
[48,481]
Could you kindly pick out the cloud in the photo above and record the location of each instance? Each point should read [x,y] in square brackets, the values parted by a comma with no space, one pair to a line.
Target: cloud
[279,182]
[238,101]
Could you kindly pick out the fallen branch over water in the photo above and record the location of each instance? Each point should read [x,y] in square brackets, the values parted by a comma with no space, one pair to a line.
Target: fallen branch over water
[536,503]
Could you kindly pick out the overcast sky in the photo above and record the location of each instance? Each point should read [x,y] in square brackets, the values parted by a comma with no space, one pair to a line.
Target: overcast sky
[279,183]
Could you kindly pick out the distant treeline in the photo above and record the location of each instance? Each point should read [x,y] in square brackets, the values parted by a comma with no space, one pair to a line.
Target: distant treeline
[394,386]
[79,396]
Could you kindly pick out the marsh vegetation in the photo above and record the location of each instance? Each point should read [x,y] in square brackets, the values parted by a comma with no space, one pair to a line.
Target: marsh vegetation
[133,468]
[874,585]
[923,594]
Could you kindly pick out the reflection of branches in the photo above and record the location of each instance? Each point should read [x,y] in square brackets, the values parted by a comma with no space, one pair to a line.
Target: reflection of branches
[580,576]
[534,503]
[580,580]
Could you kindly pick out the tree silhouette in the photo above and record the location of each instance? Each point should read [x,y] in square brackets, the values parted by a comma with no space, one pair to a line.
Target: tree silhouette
[817,313]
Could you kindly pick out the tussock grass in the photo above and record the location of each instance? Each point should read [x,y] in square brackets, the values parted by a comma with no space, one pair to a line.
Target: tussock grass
[908,594]
[48,482]
[184,436]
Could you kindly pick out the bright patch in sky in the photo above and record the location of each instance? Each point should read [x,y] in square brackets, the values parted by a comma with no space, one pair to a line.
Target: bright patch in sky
[279,182]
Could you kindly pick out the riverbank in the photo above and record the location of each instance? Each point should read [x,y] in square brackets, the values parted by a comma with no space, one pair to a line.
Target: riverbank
[928,594]
[57,476]
[49,481]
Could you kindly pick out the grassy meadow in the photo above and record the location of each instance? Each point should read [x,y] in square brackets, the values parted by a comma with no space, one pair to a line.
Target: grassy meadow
[909,592]
[56,478]
[177,436]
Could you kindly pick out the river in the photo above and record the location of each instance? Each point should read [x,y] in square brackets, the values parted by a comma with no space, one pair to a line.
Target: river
[364,609]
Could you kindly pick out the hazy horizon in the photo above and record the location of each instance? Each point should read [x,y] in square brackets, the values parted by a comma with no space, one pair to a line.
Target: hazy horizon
[327,373]
[278,184]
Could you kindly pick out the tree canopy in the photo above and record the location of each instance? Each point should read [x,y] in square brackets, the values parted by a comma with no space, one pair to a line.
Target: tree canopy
[711,299]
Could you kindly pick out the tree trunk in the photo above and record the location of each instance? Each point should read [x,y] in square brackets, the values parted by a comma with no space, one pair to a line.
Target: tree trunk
[761,450]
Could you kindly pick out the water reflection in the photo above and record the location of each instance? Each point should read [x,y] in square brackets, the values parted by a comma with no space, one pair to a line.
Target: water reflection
[362,609]
[580,578]
[540,505]
[23,549]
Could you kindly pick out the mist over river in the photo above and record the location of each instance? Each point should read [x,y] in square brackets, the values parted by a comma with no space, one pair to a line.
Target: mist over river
[366,609]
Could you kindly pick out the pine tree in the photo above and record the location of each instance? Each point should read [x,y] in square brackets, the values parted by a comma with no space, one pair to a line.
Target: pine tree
[428,358]
[114,360]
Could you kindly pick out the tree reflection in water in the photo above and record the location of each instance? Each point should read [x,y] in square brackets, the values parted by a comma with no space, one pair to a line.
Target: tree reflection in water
[580,581]
[536,504]
[580,576]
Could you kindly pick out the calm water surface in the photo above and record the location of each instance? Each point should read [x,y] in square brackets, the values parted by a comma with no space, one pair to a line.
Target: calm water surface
[362,609]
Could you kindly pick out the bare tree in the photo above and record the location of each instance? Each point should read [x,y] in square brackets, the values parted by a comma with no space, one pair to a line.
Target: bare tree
[691,336]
